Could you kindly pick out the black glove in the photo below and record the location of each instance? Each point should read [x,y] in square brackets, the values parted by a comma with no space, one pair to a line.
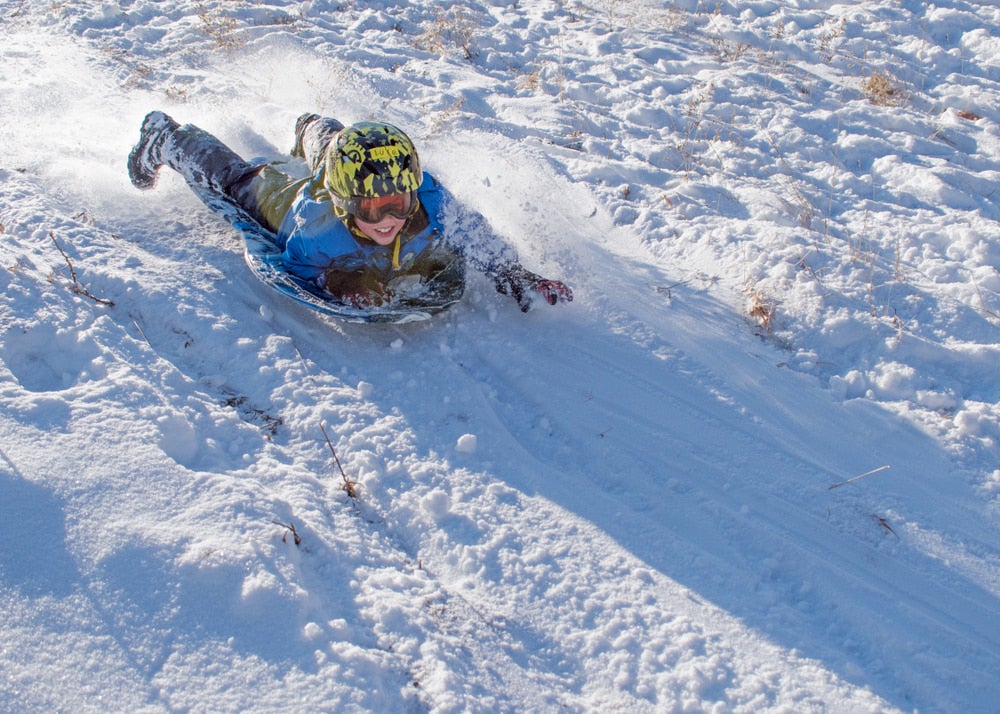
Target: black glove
[520,284]
[359,289]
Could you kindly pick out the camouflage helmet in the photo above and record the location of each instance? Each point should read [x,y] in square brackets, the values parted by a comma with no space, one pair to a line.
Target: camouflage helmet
[371,159]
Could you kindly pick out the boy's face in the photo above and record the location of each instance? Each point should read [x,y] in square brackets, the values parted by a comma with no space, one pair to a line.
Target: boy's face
[384,232]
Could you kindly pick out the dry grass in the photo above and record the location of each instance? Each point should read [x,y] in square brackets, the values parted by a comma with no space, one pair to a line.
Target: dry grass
[761,309]
[883,90]
[222,28]
[452,29]
[530,82]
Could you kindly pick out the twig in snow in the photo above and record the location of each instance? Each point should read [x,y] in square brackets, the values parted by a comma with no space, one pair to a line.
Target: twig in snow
[143,334]
[884,524]
[982,302]
[667,288]
[77,288]
[290,527]
[350,486]
[860,476]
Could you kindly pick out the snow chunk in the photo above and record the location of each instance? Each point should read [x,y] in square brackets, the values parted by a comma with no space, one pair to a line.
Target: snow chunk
[436,503]
[466,444]
[975,421]
[178,438]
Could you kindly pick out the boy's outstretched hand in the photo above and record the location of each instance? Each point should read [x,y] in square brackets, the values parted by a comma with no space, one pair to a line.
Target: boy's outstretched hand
[554,291]
[520,284]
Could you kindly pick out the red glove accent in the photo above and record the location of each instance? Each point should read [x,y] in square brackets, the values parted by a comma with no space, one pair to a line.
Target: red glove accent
[357,300]
[364,300]
[554,291]
[515,281]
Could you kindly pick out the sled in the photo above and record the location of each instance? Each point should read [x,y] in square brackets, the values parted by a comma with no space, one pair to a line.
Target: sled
[413,299]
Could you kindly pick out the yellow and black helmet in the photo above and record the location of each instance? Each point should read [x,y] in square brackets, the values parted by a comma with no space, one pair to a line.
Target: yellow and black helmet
[371,159]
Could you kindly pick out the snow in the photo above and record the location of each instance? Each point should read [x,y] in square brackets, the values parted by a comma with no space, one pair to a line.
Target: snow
[784,280]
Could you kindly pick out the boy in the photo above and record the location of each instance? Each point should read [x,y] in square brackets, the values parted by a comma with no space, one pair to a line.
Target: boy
[367,222]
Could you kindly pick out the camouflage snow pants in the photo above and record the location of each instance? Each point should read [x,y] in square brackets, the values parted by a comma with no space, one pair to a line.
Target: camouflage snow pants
[260,189]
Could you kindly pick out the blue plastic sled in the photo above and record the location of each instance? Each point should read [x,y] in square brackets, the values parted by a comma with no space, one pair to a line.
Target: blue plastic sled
[262,254]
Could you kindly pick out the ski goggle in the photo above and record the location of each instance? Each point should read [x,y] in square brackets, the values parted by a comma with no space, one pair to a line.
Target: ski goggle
[376,208]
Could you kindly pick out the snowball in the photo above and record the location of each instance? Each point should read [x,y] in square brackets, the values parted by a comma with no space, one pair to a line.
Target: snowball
[437,503]
[466,444]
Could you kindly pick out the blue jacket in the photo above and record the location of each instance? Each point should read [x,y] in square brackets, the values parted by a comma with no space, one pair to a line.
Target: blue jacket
[317,241]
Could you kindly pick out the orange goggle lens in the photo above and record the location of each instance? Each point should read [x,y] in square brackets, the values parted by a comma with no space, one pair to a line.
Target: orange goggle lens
[374,209]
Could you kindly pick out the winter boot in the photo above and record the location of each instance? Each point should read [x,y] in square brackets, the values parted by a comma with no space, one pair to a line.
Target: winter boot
[300,126]
[145,159]
[313,134]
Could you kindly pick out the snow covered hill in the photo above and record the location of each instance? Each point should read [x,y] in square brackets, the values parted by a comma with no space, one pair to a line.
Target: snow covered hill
[782,227]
